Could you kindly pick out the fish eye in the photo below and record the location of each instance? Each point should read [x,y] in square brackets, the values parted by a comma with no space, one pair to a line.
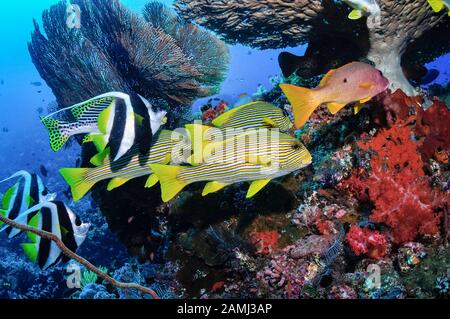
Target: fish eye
[345,80]
[295,147]
[77,221]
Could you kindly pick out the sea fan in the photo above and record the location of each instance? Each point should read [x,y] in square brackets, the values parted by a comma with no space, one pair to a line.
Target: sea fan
[117,50]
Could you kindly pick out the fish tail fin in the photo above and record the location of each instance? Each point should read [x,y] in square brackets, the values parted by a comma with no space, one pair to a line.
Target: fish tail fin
[75,178]
[170,184]
[303,101]
[58,136]
[436,5]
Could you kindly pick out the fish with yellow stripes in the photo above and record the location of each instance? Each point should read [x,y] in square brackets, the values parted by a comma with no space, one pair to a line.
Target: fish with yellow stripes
[28,191]
[114,119]
[354,82]
[257,114]
[256,157]
[438,5]
[167,147]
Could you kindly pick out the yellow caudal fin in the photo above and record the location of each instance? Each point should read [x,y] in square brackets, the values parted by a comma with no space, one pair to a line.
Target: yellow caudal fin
[355,14]
[303,101]
[117,182]
[436,5]
[75,178]
[167,175]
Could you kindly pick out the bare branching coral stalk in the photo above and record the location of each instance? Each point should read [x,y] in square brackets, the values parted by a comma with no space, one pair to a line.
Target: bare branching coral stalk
[66,251]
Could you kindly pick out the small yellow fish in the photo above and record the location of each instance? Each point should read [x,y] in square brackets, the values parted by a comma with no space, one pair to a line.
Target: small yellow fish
[353,82]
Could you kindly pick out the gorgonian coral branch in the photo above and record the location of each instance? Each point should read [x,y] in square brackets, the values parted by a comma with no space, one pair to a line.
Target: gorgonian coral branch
[117,50]
[66,251]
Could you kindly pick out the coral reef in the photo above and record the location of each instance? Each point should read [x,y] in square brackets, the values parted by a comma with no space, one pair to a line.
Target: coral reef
[157,56]
[403,26]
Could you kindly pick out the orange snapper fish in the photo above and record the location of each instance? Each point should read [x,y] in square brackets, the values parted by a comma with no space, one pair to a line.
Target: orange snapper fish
[354,82]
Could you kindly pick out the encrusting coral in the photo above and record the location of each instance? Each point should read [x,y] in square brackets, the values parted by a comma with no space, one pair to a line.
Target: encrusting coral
[158,56]
[383,39]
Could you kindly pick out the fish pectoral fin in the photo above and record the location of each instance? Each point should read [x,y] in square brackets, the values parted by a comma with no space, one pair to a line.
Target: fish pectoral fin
[117,182]
[139,119]
[326,77]
[270,122]
[355,15]
[365,85]
[151,181]
[256,186]
[103,119]
[88,139]
[100,158]
[30,251]
[334,107]
[437,5]
[259,160]
[357,107]
[213,187]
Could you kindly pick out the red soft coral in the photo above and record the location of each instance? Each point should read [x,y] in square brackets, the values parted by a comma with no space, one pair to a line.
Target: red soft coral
[364,241]
[397,185]
[266,242]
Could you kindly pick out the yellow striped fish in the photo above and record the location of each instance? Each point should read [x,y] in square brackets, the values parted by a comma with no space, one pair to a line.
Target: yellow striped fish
[256,157]
[257,114]
[168,147]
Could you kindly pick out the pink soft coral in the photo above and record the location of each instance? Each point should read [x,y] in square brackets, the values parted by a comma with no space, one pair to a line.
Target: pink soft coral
[364,241]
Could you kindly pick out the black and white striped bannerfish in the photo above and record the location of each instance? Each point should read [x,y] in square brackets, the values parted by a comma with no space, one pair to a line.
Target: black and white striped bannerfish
[56,218]
[113,119]
[253,162]
[167,147]
[131,120]
[28,191]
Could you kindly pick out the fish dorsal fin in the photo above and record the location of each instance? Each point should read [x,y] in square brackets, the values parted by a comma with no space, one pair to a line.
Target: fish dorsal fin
[100,158]
[326,78]
[151,181]
[256,186]
[103,120]
[93,106]
[355,15]
[437,5]
[117,182]
[213,187]
[334,107]
[222,119]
